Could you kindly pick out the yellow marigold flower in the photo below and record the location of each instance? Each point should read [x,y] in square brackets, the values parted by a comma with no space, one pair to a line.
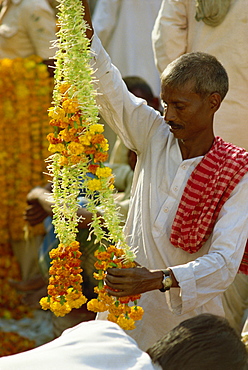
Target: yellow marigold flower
[126,323]
[74,159]
[85,140]
[54,148]
[58,309]
[66,135]
[75,148]
[21,90]
[98,276]
[63,161]
[96,306]
[57,113]
[116,310]
[104,145]
[54,253]
[64,87]
[103,172]
[136,313]
[29,64]
[70,105]
[96,128]
[112,317]
[94,185]
[105,297]
[45,304]
[76,303]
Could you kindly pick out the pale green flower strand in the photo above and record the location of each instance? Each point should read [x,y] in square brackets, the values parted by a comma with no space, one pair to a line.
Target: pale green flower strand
[73,67]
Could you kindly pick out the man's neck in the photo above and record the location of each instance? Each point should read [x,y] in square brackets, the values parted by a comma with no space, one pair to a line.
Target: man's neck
[191,149]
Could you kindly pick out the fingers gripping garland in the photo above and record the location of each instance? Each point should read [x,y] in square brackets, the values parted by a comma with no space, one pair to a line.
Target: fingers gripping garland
[79,150]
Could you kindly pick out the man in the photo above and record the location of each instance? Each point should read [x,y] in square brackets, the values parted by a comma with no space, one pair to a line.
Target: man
[203,342]
[197,242]
[183,26]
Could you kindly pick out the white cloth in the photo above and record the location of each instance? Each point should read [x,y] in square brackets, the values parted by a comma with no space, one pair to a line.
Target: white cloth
[159,179]
[176,32]
[87,346]
[27,28]
[125,27]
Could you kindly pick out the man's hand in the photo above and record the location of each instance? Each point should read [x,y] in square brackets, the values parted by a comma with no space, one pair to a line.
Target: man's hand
[132,281]
[38,206]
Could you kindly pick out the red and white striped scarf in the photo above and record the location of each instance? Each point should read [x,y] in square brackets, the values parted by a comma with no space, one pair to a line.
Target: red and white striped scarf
[207,189]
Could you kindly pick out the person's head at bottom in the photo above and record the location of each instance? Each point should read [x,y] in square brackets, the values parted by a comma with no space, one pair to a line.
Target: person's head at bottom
[204,342]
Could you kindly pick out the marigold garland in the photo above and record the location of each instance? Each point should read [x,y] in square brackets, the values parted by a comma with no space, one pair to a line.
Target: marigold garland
[12,343]
[25,96]
[79,150]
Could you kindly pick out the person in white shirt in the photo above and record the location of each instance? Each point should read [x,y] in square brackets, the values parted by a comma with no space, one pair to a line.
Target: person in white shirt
[198,242]
[203,342]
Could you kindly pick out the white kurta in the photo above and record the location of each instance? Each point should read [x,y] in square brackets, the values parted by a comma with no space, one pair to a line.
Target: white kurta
[27,27]
[159,180]
[176,32]
[87,346]
[125,27]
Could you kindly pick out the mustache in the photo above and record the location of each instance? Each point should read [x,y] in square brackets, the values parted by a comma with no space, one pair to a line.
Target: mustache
[173,124]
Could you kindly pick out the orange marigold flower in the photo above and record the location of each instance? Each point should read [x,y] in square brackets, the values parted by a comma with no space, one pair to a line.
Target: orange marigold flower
[90,150]
[97,139]
[92,168]
[100,157]
[124,299]
[102,256]
[52,139]
[135,297]
[103,265]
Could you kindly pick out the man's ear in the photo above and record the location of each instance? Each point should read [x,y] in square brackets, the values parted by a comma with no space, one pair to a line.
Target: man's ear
[215,101]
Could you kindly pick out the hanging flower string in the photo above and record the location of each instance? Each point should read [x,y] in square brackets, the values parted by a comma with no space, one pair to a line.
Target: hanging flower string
[79,150]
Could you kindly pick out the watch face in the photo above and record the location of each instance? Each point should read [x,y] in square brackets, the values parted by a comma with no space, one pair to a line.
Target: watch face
[167,282]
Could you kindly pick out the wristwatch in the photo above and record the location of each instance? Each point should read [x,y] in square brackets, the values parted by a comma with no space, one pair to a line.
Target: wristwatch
[167,281]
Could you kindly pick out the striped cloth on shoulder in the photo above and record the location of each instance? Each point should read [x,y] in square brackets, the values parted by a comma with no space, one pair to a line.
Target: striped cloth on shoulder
[207,189]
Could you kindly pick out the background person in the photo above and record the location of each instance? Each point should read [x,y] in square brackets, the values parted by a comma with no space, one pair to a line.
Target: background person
[203,342]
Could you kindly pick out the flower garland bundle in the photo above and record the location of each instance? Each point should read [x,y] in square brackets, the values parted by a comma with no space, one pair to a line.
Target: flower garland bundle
[119,310]
[77,164]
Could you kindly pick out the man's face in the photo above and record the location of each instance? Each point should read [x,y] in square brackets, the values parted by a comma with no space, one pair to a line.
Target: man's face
[187,113]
